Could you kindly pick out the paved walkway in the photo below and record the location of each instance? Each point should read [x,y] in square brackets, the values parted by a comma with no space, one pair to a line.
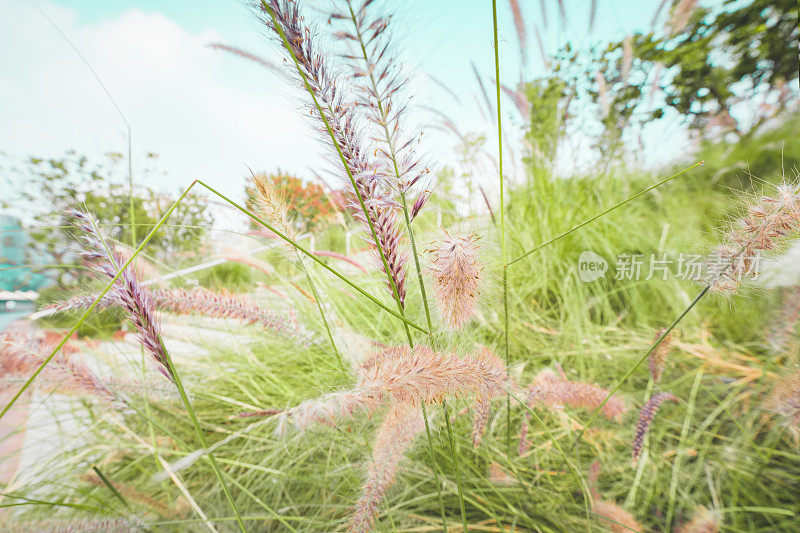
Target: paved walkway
[8,318]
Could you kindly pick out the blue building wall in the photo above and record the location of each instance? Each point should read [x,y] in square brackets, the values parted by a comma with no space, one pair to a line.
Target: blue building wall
[13,253]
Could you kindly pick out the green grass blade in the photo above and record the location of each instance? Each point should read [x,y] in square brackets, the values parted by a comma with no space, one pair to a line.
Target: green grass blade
[202,437]
[502,214]
[110,486]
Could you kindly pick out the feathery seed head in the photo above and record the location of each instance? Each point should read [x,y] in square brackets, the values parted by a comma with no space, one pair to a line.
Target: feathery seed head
[646,416]
[214,304]
[616,518]
[401,425]
[456,270]
[409,376]
[127,289]
[769,222]
[659,356]
[272,203]
[554,391]
[785,401]
[341,121]
[22,353]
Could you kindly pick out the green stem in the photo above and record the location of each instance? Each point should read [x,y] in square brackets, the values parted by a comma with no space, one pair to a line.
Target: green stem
[184,397]
[416,264]
[110,486]
[321,311]
[455,464]
[435,468]
[196,424]
[502,216]
[407,218]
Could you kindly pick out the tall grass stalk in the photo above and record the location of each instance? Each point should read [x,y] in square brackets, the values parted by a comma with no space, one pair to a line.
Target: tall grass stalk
[389,139]
[502,215]
[636,365]
[175,377]
[393,157]
[280,30]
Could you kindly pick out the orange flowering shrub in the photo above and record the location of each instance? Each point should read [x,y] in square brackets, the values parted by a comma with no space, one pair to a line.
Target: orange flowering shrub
[310,208]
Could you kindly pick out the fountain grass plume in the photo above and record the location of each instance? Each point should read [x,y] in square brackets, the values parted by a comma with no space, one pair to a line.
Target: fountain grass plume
[782,335]
[784,400]
[271,204]
[768,224]
[646,416]
[131,494]
[128,292]
[378,78]
[554,392]
[658,356]
[87,525]
[406,375]
[22,353]
[214,304]
[703,520]
[395,435]
[614,517]
[371,200]
[456,270]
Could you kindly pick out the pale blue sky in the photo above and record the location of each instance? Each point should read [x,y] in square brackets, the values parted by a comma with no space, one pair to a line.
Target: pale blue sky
[210,115]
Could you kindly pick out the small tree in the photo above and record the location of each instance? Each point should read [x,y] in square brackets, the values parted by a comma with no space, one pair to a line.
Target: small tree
[729,69]
[740,53]
[99,186]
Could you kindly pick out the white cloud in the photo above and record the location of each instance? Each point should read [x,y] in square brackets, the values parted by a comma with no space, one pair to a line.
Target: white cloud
[205,113]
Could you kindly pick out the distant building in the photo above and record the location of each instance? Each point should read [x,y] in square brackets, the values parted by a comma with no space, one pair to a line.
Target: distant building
[14,260]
